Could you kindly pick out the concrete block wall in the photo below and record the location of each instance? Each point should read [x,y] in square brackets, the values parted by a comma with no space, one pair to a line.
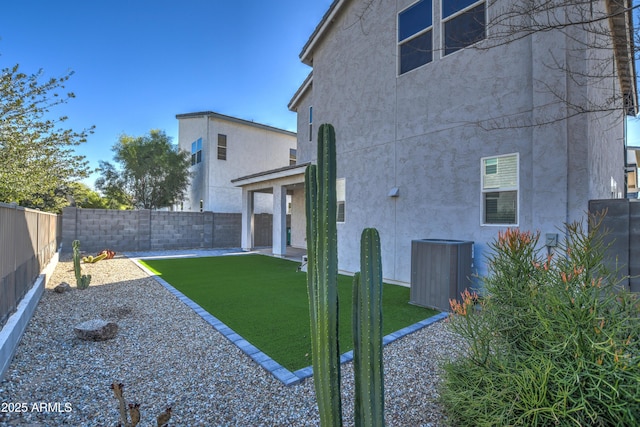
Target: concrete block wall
[175,230]
[143,230]
[227,229]
[263,229]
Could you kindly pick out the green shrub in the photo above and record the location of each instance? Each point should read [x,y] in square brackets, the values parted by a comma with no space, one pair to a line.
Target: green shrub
[553,341]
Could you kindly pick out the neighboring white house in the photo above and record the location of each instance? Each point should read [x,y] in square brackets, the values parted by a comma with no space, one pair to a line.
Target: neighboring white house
[223,148]
[445,131]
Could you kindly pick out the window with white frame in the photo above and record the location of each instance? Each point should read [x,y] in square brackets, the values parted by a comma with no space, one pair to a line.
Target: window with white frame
[415,36]
[500,189]
[464,23]
[341,198]
[222,147]
[292,156]
[196,151]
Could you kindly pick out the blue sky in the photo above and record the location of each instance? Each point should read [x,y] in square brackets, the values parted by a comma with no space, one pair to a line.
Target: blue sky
[138,63]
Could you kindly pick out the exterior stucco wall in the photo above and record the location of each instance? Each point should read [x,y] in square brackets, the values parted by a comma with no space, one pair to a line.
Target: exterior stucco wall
[298,220]
[606,132]
[189,130]
[426,131]
[307,147]
[250,149]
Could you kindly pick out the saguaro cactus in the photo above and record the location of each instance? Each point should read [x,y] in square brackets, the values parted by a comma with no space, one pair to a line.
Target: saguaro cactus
[367,333]
[322,281]
[82,280]
[322,277]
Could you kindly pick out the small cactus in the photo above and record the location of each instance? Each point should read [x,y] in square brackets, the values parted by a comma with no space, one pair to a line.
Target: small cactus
[82,280]
[93,259]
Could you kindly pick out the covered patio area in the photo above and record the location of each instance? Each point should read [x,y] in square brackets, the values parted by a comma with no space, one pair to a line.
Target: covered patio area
[286,184]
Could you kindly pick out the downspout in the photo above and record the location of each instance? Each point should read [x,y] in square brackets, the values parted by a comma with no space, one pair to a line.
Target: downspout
[624,151]
[567,137]
[207,168]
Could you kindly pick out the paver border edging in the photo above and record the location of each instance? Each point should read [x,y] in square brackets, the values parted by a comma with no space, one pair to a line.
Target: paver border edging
[278,371]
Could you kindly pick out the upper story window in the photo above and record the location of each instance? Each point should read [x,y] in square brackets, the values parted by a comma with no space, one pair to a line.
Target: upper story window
[500,190]
[415,36]
[464,23]
[292,156]
[196,151]
[222,147]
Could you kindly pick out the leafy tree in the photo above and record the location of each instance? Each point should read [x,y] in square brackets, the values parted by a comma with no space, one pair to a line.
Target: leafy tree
[154,173]
[85,197]
[37,160]
[113,187]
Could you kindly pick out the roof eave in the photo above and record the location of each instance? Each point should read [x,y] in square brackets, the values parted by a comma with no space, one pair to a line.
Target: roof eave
[304,87]
[211,114]
[283,172]
[621,24]
[306,55]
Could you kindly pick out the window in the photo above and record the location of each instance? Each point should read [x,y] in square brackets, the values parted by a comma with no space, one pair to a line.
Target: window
[464,23]
[222,147]
[340,196]
[632,180]
[310,123]
[292,156]
[500,190]
[415,36]
[196,151]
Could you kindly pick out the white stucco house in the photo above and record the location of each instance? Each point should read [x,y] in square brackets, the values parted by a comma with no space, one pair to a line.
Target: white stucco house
[449,127]
[224,147]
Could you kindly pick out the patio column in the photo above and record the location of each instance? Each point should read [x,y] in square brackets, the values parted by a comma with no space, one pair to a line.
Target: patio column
[247,220]
[279,220]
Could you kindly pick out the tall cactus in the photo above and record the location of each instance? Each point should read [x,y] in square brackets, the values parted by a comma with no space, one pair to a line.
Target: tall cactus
[367,333]
[82,281]
[322,280]
[322,277]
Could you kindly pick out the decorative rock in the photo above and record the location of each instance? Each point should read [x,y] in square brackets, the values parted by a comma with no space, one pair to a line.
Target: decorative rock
[62,287]
[96,330]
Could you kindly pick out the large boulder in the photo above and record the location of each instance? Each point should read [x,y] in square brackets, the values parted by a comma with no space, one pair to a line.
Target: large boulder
[96,330]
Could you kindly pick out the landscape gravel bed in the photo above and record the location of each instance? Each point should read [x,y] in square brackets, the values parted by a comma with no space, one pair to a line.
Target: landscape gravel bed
[166,355]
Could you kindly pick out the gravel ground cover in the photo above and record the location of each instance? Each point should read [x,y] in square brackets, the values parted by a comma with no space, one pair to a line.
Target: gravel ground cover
[166,355]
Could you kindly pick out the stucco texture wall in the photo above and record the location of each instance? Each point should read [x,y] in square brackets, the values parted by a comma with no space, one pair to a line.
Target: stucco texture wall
[426,131]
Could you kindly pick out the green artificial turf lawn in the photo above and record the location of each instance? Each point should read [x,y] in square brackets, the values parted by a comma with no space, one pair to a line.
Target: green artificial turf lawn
[264,299]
